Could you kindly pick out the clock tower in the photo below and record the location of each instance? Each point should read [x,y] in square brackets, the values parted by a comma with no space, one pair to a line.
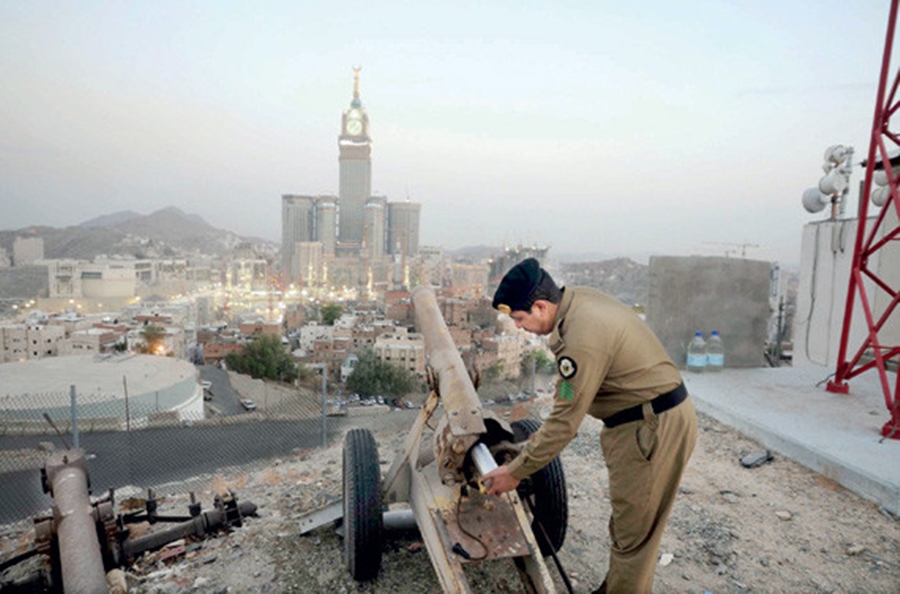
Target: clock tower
[355,165]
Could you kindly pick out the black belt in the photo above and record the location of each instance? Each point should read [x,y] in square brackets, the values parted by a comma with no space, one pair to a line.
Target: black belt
[660,404]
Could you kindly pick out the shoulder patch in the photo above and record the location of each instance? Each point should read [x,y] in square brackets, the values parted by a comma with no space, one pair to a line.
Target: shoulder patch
[567,367]
[566,391]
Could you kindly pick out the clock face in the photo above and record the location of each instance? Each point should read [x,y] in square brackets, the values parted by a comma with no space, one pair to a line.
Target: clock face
[354,127]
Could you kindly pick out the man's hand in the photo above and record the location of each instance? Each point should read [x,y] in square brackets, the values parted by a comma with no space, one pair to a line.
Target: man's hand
[499,481]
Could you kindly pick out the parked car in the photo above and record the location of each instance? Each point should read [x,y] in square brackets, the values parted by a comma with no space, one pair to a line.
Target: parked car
[206,385]
[336,408]
[248,404]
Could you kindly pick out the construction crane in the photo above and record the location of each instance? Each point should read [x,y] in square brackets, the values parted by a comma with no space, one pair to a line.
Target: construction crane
[732,248]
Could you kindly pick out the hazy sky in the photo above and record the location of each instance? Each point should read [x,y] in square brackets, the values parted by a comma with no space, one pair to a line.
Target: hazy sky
[593,126]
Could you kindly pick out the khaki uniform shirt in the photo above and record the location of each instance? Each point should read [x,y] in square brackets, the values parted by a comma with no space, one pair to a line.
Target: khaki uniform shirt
[608,360]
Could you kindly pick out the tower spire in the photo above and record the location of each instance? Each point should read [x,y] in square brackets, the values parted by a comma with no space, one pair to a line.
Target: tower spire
[356,100]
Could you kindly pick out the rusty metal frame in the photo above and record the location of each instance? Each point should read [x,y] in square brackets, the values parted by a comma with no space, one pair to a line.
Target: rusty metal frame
[84,540]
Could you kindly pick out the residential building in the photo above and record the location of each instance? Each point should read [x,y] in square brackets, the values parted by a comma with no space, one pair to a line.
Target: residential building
[92,340]
[174,341]
[312,332]
[403,348]
[19,342]
[260,328]
[508,350]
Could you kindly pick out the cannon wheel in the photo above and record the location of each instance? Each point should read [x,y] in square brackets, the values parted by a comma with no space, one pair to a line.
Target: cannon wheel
[546,490]
[363,517]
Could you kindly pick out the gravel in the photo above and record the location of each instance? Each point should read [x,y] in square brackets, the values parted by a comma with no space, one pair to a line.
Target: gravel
[775,527]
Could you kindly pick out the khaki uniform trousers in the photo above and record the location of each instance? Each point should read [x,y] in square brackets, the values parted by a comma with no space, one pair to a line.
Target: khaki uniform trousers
[645,460]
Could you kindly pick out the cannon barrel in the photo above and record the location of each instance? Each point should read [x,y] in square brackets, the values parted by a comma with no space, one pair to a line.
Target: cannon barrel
[79,548]
[462,425]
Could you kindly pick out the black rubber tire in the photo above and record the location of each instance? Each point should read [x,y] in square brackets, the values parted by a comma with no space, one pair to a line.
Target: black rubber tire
[363,513]
[547,494]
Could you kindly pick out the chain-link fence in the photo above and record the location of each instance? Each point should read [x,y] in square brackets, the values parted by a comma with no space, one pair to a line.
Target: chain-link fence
[181,437]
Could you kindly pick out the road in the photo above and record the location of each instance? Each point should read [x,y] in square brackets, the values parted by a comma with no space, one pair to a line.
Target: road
[152,457]
[225,400]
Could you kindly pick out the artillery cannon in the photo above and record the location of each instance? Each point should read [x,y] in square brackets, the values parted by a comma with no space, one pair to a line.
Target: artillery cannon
[459,524]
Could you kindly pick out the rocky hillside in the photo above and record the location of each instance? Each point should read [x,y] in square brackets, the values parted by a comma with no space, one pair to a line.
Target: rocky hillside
[164,233]
[621,277]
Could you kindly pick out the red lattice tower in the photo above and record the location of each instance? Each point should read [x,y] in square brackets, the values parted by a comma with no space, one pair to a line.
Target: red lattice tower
[873,237]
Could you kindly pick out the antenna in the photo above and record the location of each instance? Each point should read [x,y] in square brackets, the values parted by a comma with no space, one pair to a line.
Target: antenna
[833,186]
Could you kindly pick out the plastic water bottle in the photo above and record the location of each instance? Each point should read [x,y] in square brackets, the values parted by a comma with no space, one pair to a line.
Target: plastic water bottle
[715,352]
[696,353]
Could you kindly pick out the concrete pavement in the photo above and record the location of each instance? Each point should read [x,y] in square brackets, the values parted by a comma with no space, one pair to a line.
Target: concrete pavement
[785,410]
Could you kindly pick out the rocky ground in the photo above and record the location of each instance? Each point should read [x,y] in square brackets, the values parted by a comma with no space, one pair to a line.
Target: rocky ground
[778,527]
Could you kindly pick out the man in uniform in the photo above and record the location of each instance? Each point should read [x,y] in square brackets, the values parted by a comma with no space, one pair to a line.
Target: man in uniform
[612,367]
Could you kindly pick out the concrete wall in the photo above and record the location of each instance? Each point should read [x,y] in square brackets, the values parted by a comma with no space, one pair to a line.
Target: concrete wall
[702,294]
[826,258]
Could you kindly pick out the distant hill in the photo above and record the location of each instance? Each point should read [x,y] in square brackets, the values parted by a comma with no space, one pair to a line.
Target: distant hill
[622,278]
[23,282]
[69,242]
[188,232]
[164,233]
[111,220]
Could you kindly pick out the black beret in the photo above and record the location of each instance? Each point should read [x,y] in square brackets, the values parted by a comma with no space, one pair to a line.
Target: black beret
[518,285]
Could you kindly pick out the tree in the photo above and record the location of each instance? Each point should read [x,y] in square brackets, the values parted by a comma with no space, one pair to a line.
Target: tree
[264,358]
[373,377]
[330,313]
[542,363]
[154,340]
[493,372]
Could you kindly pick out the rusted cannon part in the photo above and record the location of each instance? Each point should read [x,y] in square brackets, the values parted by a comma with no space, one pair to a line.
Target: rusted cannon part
[226,514]
[432,381]
[80,557]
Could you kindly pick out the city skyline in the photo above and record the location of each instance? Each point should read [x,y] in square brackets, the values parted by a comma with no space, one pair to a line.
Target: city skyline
[592,129]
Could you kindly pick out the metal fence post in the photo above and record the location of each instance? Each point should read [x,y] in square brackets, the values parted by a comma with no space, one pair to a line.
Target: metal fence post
[324,405]
[74,416]
[127,412]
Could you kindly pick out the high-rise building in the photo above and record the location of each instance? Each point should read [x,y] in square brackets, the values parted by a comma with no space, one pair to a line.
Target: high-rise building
[326,223]
[374,229]
[355,163]
[365,240]
[403,228]
[297,226]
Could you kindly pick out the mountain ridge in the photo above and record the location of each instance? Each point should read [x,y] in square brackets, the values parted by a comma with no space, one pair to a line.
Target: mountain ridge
[162,233]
